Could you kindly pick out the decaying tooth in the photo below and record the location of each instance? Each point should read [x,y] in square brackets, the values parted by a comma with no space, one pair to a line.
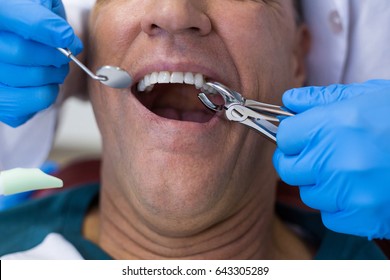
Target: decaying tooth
[205,88]
[208,89]
[149,88]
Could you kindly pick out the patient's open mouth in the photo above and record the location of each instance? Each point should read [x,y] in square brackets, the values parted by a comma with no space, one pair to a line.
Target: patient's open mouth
[173,95]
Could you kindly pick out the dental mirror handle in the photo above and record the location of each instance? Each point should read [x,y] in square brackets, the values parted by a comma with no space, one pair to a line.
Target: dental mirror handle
[70,55]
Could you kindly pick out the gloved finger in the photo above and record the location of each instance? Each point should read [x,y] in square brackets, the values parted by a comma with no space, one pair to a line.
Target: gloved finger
[18,51]
[36,22]
[352,222]
[20,76]
[295,133]
[21,102]
[319,197]
[56,6]
[15,121]
[302,99]
[293,170]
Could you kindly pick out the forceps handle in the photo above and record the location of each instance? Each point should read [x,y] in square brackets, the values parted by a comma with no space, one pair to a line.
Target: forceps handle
[268,109]
[266,128]
[259,121]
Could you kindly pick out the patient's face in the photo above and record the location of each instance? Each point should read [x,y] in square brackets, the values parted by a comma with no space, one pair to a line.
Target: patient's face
[170,156]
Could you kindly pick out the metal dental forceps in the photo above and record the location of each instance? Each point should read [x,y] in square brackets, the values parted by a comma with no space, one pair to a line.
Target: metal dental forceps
[251,113]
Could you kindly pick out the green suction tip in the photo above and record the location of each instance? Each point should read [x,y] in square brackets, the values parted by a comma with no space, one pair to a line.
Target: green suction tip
[26,179]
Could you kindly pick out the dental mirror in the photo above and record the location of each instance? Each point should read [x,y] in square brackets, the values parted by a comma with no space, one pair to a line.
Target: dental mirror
[110,76]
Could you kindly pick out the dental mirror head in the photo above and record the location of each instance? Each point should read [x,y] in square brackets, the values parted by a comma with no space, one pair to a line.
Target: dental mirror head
[110,76]
[116,77]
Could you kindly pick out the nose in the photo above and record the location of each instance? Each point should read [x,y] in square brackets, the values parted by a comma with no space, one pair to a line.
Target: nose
[175,17]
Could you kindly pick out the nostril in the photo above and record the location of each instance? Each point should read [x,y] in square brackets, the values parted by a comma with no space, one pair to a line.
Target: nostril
[153,28]
[195,29]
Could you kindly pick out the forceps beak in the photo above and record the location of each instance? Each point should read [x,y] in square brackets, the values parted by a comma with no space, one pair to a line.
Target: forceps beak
[208,103]
[229,96]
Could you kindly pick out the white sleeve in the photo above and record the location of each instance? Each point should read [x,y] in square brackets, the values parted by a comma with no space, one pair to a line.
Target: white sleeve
[328,22]
[350,40]
[77,13]
[368,56]
[28,145]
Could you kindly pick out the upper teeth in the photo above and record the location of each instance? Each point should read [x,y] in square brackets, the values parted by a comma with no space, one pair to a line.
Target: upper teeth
[165,77]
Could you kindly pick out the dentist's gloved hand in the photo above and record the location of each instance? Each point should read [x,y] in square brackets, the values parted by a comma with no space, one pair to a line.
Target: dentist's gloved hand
[31,68]
[337,150]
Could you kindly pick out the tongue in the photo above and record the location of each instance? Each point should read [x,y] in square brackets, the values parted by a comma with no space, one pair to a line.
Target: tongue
[168,113]
[197,116]
[176,102]
[174,114]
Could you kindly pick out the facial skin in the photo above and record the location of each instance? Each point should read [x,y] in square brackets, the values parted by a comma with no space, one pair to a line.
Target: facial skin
[184,188]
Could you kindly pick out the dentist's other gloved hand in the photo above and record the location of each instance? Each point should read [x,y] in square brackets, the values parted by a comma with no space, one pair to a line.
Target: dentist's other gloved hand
[31,68]
[337,150]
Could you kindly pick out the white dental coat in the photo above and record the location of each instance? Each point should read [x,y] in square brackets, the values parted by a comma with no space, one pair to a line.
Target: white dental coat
[351,39]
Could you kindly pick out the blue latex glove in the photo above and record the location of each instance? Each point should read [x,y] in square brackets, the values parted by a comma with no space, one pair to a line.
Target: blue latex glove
[31,69]
[337,150]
